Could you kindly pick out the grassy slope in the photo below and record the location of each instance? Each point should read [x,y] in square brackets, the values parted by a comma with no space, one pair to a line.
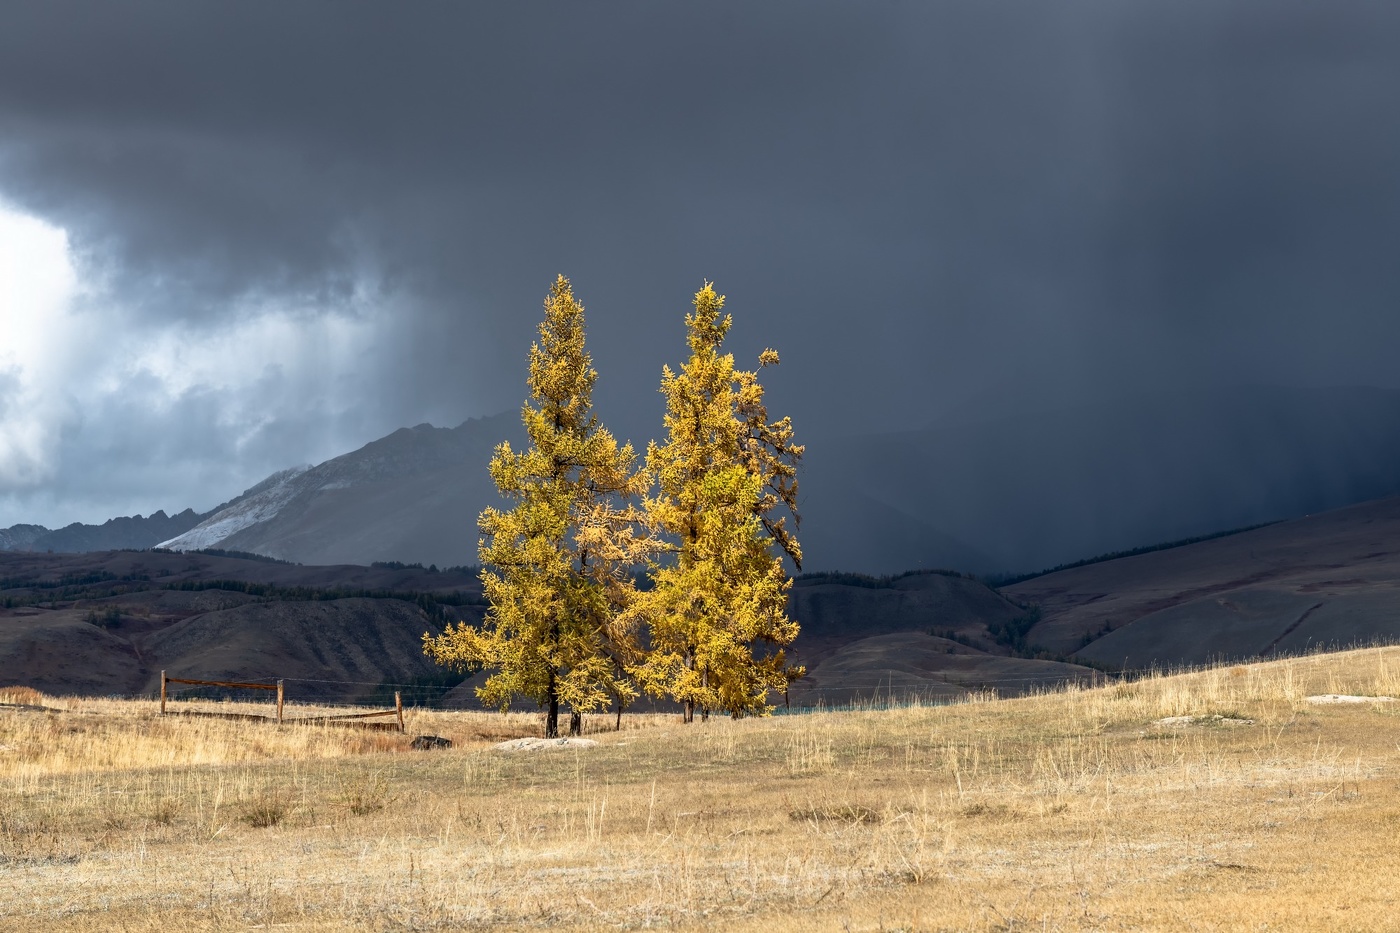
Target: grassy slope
[1331,578]
[1070,811]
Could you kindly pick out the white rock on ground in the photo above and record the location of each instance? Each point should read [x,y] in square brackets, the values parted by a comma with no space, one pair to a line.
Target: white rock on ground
[1215,720]
[535,745]
[1347,698]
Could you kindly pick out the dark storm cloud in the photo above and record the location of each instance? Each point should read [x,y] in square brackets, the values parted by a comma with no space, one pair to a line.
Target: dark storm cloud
[927,207]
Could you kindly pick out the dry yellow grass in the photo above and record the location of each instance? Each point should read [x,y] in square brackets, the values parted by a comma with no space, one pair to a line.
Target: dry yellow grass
[1069,811]
[95,735]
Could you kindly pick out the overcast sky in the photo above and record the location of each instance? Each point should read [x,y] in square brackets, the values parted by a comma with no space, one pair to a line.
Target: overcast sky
[239,236]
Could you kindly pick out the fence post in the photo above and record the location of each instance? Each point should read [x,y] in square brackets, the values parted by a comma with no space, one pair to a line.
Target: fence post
[279,701]
[162,693]
[398,708]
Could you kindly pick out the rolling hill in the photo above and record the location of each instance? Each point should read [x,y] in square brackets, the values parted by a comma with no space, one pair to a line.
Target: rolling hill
[1322,580]
[101,624]
[108,623]
[924,635]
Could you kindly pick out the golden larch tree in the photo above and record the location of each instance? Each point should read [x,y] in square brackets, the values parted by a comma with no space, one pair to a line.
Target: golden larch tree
[716,613]
[556,566]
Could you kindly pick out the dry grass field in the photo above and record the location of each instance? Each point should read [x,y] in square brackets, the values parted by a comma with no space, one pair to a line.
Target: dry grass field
[1075,810]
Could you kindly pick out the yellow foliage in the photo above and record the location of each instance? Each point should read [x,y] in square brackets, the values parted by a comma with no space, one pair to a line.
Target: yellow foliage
[721,475]
[556,564]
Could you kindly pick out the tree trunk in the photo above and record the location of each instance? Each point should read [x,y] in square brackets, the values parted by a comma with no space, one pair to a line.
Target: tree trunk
[705,682]
[575,723]
[688,708]
[551,716]
[618,727]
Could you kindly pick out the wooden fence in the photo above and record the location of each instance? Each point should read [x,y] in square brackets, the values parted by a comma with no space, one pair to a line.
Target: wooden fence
[346,719]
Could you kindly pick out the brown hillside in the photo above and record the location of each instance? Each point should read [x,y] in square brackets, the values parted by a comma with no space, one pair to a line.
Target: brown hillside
[878,638]
[57,652]
[1326,579]
[100,624]
[104,623]
[835,610]
[915,666]
[360,643]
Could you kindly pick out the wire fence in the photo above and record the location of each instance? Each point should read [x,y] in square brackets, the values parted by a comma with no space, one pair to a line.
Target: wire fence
[807,698]
[343,719]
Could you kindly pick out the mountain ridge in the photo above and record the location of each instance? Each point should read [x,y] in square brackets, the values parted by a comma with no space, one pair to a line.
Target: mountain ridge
[134,531]
[106,622]
[996,497]
[410,496]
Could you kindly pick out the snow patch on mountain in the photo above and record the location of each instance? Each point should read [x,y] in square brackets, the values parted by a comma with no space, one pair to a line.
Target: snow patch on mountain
[20,537]
[258,504]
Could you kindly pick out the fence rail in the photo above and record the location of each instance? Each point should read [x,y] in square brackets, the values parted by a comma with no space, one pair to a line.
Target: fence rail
[344,719]
[353,718]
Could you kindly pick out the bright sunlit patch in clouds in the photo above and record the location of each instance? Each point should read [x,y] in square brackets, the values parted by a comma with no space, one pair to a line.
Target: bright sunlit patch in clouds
[257,362]
[37,287]
[106,412]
